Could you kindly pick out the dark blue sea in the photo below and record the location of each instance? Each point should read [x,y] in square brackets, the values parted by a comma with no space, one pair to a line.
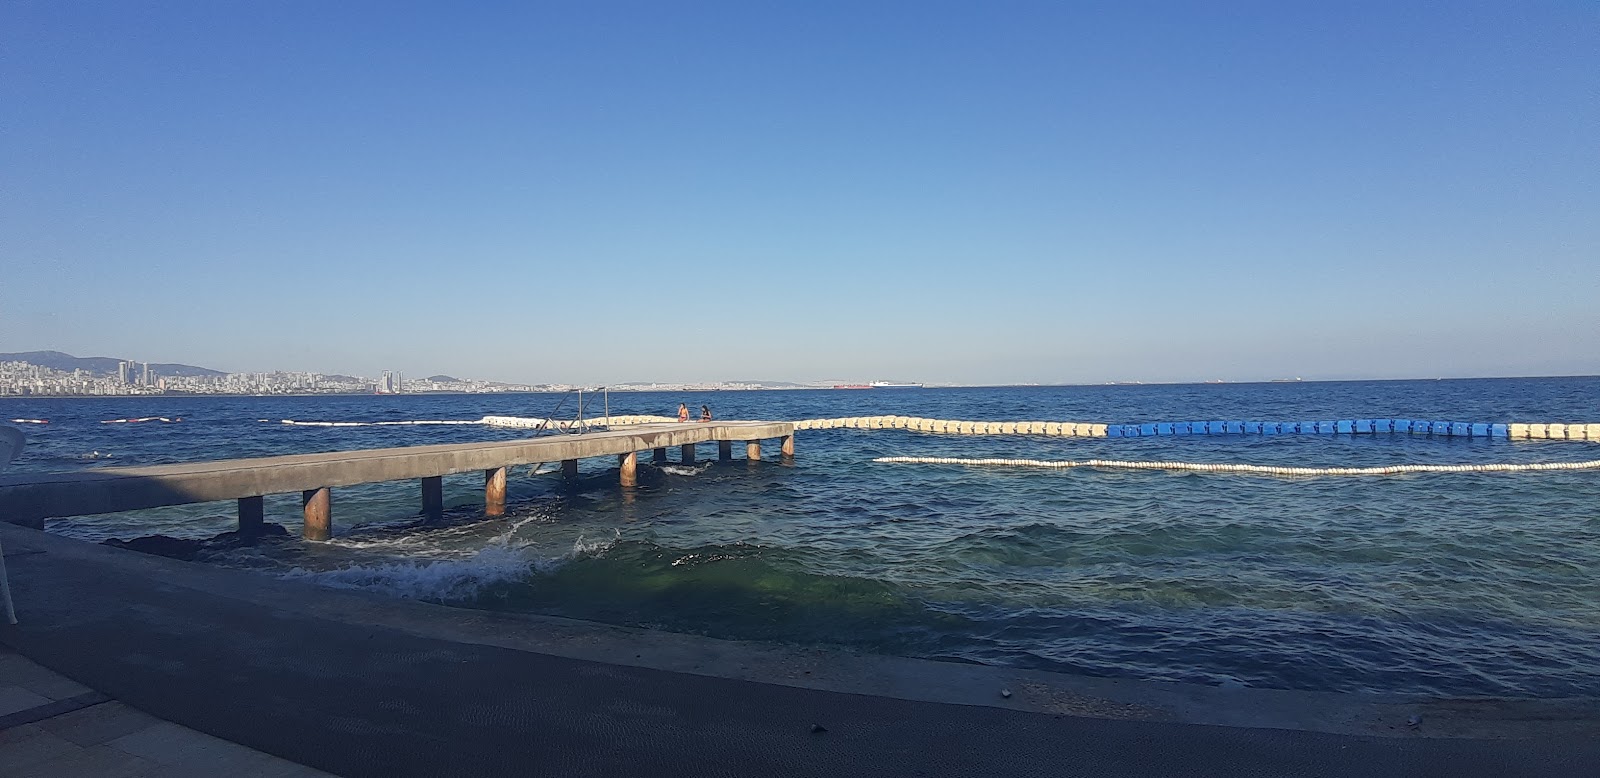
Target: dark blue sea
[1455,584]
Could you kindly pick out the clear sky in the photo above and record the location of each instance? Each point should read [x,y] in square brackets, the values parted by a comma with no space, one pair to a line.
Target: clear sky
[936,191]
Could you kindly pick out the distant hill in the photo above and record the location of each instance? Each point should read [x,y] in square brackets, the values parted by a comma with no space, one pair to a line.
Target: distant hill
[442,379]
[56,360]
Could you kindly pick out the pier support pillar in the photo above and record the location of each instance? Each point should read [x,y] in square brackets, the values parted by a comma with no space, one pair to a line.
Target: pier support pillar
[433,497]
[318,504]
[724,450]
[494,491]
[687,453]
[787,448]
[569,469]
[252,514]
[659,456]
[629,464]
[752,450]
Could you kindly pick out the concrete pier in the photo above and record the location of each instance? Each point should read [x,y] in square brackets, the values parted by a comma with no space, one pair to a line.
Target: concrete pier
[658,456]
[318,505]
[252,514]
[432,497]
[628,464]
[752,450]
[494,491]
[30,498]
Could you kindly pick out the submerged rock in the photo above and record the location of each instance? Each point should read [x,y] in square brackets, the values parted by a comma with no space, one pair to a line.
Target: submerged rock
[160,545]
[188,549]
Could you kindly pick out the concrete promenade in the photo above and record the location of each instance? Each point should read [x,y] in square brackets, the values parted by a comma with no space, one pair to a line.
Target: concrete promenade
[51,726]
[30,498]
[358,684]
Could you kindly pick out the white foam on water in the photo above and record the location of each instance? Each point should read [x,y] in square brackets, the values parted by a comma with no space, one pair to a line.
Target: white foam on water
[407,423]
[459,578]
[438,579]
[688,470]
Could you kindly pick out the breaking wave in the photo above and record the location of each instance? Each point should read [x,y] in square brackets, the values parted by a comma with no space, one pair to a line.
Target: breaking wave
[451,579]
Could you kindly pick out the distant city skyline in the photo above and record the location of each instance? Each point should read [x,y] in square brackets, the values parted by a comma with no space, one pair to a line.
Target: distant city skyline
[945,193]
[20,377]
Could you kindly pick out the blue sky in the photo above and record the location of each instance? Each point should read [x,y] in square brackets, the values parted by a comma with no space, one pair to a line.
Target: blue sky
[963,192]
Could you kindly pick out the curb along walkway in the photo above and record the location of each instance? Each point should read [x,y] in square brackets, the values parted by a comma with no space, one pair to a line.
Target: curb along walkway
[362,700]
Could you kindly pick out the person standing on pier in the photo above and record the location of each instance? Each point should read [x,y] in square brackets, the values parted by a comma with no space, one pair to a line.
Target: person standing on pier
[683,411]
[705,413]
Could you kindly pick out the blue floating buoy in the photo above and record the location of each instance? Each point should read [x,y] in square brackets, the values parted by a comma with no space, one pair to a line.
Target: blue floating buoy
[1113,430]
[1440,428]
[1164,428]
[1480,430]
[1500,430]
[1147,429]
[1344,426]
[1419,427]
[1270,428]
[1363,426]
[1233,427]
[1460,429]
[1401,425]
[1251,427]
[1180,428]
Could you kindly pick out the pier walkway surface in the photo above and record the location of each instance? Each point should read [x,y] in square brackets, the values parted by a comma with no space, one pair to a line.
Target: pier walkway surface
[358,684]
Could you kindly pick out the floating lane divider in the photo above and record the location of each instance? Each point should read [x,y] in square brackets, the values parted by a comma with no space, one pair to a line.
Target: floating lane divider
[1116,464]
[1073,429]
[517,422]
[1455,429]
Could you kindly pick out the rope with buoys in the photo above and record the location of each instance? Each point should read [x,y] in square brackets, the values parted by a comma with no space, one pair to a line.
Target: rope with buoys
[1117,464]
[919,424]
[1078,429]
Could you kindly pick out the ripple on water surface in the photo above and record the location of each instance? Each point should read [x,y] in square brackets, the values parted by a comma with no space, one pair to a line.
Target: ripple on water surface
[1457,584]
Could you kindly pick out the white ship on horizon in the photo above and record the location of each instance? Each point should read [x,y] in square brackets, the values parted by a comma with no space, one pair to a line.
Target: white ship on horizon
[893,385]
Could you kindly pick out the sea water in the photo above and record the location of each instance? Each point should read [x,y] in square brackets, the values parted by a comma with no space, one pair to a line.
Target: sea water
[1445,584]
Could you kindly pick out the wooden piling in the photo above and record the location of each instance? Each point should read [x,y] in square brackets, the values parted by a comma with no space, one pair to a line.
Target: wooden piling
[629,465]
[752,450]
[433,497]
[724,450]
[252,515]
[494,491]
[686,453]
[318,506]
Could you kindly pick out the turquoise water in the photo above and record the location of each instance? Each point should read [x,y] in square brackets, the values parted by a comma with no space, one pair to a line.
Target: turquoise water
[1450,584]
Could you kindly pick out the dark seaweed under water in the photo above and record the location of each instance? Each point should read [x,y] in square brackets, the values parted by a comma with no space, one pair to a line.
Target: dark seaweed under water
[1446,584]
